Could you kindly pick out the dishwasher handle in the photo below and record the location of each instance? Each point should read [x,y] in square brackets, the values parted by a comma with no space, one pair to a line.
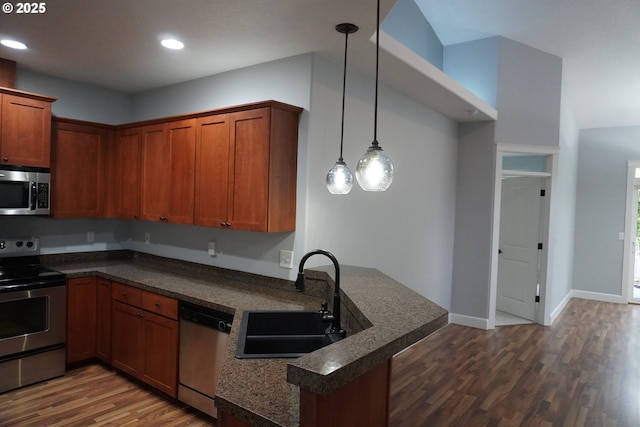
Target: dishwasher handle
[206,317]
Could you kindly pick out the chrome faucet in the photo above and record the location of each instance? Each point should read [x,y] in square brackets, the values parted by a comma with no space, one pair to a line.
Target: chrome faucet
[335,333]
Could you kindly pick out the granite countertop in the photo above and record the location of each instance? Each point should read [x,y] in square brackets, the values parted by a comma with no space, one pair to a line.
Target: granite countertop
[385,317]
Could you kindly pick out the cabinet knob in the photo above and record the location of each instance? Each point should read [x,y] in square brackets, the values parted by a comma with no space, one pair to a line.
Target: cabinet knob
[163,218]
[124,294]
[135,216]
[158,304]
[5,159]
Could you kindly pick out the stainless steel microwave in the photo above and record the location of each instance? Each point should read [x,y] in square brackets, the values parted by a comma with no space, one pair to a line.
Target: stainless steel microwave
[24,191]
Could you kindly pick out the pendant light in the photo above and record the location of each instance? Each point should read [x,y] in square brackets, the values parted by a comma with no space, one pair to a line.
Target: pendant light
[374,171]
[340,178]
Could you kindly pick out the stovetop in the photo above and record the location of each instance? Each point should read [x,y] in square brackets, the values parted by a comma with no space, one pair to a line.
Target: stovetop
[20,267]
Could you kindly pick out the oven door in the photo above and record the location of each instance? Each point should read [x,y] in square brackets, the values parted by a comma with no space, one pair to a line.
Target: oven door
[32,319]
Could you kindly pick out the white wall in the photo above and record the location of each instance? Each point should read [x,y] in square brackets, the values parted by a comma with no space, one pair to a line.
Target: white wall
[407,231]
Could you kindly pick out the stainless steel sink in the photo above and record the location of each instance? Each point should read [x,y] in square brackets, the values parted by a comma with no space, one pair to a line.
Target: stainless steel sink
[275,334]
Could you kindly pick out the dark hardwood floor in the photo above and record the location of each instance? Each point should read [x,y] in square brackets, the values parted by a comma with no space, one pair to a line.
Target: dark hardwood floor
[582,371]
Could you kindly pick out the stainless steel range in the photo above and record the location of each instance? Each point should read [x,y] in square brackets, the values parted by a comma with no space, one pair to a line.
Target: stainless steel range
[33,306]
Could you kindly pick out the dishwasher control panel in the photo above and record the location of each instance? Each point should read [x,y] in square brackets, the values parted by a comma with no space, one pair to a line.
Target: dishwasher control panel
[206,317]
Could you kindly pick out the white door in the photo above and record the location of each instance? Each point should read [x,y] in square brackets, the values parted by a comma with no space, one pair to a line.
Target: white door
[635,258]
[518,261]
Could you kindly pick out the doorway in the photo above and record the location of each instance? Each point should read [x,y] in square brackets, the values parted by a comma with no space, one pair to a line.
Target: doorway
[635,290]
[522,166]
[520,247]
[631,257]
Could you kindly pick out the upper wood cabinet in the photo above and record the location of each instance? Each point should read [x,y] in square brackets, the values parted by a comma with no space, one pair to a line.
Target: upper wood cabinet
[232,168]
[246,170]
[125,156]
[25,129]
[77,169]
[168,171]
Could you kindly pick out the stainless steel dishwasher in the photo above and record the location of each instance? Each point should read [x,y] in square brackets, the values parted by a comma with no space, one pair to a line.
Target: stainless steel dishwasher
[203,340]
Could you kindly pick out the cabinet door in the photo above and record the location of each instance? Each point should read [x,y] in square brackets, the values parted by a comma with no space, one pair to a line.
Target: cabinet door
[168,172]
[181,147]
[81,319]
[25,138]
[161,353]
[127,343]
[103,320]
[212,171]
[249,169]
[77,170]
[127,157]
[154,173]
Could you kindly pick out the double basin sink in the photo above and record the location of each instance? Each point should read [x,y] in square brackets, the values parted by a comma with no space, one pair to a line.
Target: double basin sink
[275,334]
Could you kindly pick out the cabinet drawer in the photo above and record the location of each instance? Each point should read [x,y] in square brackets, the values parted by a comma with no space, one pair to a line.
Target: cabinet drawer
[126,294]
[164,306]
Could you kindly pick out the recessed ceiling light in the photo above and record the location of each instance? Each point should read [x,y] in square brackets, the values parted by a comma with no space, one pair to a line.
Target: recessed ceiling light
[172,44]
[13,44]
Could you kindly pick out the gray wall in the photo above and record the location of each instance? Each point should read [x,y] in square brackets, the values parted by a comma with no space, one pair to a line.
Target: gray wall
[528,93]
[78,100]
[563,210]
[406,231]
[474,219]
[600,207]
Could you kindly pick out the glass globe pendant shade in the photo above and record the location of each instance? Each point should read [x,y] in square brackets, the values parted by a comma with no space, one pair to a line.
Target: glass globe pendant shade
[339,178]
[374,171]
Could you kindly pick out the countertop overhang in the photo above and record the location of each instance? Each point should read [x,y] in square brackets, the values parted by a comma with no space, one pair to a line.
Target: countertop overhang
[387,316]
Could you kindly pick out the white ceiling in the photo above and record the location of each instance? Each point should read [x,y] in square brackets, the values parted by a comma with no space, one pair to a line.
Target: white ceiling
[115,43]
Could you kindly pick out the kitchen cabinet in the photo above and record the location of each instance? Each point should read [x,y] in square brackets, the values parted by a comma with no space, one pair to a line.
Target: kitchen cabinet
[81,319]
[246,169]
[168,171]
[103,320]
[77,169]
[145,333]
[125,161]
[25,128]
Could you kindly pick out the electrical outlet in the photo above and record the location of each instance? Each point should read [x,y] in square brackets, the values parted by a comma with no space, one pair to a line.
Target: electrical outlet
[286,259]
[147,238]
[90,236]
[213,249]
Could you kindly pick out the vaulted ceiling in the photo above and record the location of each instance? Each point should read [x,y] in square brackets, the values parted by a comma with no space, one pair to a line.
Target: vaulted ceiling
[115,43]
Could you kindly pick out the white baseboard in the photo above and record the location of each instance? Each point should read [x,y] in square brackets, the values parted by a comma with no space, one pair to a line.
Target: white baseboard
[597,296]
[555,313]
[474,322]
[477,322]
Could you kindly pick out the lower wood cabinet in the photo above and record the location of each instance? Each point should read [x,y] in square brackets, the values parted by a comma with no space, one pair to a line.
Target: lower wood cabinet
[145,341]
[81,319]
[103,320]
[135,331]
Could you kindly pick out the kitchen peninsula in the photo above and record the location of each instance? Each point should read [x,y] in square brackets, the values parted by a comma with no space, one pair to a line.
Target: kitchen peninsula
[381,316]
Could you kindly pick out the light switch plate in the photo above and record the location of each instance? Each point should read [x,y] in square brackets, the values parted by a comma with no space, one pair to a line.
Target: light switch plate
[286,259]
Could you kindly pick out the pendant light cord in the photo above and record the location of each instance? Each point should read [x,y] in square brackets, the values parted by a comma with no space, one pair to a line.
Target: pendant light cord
[344,88]
[375,105]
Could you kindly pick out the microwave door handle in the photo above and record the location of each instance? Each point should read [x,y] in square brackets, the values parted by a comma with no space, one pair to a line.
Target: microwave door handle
[34,195]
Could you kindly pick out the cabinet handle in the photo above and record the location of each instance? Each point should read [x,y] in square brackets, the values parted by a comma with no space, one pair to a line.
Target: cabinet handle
[163,218]
[158,304]
[140,315]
